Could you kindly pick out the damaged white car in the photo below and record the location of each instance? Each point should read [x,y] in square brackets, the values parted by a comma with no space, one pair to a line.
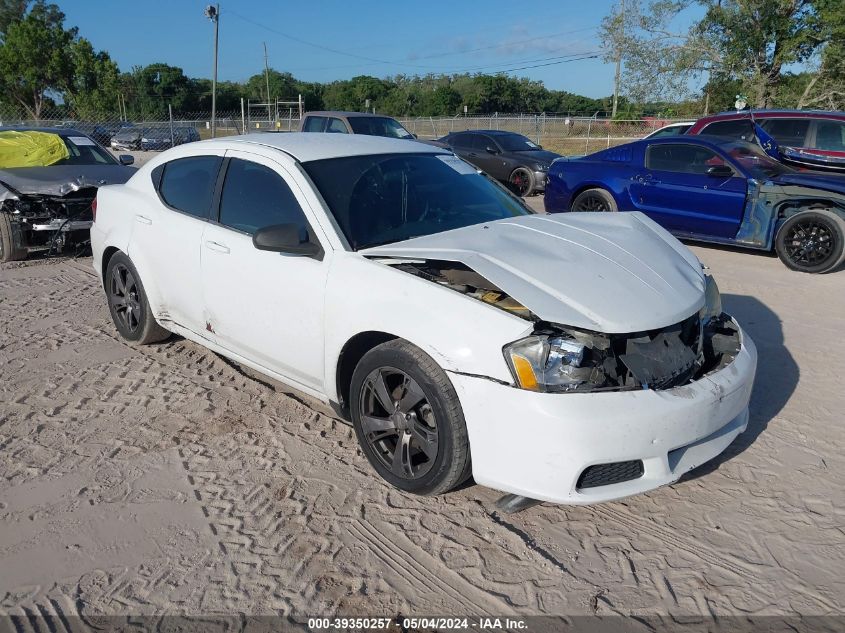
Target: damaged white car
[571,359]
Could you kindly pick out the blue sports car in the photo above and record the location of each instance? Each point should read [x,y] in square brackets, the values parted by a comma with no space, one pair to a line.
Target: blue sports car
[712,190]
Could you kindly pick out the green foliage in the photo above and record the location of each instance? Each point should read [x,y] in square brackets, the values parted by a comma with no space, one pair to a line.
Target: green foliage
[94,83]
[34,57]
[745,43]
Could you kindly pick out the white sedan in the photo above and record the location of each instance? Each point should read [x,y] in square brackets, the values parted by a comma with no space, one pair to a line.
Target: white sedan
[572,358]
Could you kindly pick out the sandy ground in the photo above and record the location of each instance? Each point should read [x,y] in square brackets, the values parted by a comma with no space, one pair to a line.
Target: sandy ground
[163,479]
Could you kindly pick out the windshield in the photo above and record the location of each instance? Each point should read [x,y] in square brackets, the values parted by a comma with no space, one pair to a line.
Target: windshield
[378,126]
[393,197]
[754,160]
[515,143]
[84,151]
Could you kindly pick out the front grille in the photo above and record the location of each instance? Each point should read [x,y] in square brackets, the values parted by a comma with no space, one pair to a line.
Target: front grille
[606,474]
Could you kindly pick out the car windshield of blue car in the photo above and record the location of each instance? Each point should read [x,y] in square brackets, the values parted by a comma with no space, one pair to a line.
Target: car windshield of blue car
[516,143]
[378,126]
[754,160]
[393,197]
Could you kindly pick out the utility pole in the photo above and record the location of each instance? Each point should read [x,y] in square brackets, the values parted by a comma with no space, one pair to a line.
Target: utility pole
[618,57]
[267,81]
[212,12]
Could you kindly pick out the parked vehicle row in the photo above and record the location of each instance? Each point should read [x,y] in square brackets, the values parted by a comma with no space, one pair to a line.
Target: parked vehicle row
[152,138]
[573,358]
[509,157]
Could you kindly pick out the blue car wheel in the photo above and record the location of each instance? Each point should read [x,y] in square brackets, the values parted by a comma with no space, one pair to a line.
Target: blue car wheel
[594,200]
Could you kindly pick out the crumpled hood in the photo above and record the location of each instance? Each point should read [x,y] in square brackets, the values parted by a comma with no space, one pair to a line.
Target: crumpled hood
[826,182]
[609,272]
[60,180]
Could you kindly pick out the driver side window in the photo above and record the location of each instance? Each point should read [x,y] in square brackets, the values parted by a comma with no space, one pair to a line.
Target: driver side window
[255,196]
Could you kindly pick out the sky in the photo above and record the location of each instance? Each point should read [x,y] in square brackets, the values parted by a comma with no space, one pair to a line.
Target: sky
[329,40]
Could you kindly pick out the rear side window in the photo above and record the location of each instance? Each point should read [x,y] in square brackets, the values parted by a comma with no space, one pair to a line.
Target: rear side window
[187,184]
[255,196]
[314,124]
[791,132]
[830,136]
[337,126]
[740,129]
[464,141]
[686,159]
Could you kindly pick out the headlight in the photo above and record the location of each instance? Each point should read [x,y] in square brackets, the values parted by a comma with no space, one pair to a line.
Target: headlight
[547,363]
[712,299]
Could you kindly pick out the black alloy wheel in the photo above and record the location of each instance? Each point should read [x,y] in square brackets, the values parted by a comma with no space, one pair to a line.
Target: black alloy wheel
[812,241]
[123,297]
[522,181]
[408,419]
[594,200]
[398,423]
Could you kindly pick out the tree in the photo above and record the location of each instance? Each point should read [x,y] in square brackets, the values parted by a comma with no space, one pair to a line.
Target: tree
[11,11]
[35,57]
[750,40]
[94,84]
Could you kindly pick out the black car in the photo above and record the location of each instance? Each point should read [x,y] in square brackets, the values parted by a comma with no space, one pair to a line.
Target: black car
[47,205]
[506,156]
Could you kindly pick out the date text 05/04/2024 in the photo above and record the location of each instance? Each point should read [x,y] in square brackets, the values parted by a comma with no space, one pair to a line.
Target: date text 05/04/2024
[405,623]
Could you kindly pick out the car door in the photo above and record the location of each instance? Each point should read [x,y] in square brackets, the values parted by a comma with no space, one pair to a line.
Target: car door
[264,306]
[167,233]
[462,145]
[486,154]
[675,188]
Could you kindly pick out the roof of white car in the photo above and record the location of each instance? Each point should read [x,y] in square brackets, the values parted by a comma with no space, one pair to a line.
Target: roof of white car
[308,146]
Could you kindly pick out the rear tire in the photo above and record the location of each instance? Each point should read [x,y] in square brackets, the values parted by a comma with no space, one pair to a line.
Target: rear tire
[9,252]
[593,200]
[812,241]
[408,419]
[128,304]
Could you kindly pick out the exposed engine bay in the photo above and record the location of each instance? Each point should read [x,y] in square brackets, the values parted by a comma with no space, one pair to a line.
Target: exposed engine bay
[48,222]
[592,361]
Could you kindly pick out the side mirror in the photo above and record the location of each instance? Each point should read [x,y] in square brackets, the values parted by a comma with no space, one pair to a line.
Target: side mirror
[492,150]
[720,171]
[126,159]
[286,238]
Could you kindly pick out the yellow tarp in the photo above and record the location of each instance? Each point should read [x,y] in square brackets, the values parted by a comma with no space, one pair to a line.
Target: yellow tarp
[30,149]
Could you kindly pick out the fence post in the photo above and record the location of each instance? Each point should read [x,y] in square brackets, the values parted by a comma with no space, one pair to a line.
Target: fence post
[170,113]
[587,142]
[243,117]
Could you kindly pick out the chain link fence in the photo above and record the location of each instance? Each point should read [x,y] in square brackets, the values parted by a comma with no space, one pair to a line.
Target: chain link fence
[567,135]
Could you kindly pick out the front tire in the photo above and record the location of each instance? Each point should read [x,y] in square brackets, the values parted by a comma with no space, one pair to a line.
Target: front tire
[594,200]
[128,304]
[522,181]
[408,419]
[8,251]
[812,241]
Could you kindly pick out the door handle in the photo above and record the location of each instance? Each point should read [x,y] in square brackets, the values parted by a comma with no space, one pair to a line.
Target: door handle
[643,178]
[217,247]
[142,219]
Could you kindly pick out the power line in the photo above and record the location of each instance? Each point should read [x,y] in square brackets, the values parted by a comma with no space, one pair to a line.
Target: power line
[374,60]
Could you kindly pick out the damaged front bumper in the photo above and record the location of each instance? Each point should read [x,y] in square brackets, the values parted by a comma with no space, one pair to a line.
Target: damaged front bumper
[582,448]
